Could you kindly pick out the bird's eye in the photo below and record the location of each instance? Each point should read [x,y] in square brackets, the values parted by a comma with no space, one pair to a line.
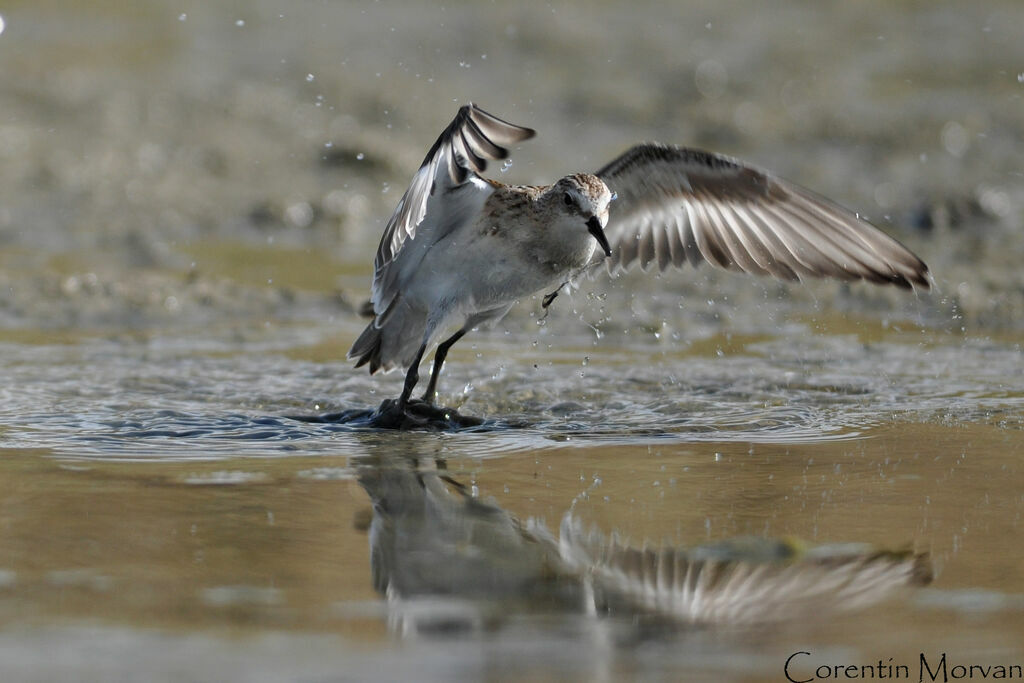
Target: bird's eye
[567,198]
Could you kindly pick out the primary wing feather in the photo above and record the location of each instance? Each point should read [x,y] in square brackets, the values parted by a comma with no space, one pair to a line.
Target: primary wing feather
[676,205]
[461,151]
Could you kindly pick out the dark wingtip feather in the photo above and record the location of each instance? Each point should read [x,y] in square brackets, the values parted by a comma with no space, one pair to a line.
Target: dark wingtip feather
[498,127]
[475,136]
[478,162]
[456,166]
[924,277]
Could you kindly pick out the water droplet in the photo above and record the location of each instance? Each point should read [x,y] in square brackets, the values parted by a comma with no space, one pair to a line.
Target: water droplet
[240,23]
[310,78]
[507,164]
[182,17]
[955,138]
[300,214]
[1020,76]
[360,156]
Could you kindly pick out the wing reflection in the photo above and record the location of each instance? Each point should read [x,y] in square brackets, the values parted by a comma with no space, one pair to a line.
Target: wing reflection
[446,559]
[741,581]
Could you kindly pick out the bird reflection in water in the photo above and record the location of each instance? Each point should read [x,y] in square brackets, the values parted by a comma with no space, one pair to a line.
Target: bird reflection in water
[448,561]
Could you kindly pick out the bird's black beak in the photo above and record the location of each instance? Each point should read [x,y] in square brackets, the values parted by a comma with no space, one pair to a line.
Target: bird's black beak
[595,229]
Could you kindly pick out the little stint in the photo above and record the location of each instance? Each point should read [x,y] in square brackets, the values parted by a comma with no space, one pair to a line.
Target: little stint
[461,249]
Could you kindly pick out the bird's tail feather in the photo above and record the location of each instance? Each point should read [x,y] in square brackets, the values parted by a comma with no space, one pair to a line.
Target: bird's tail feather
[391,340]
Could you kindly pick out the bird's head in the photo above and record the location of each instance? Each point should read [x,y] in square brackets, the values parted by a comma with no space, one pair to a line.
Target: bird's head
[582,199]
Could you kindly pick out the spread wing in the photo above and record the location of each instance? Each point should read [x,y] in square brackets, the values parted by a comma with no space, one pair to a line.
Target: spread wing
[462,151]
[678,205]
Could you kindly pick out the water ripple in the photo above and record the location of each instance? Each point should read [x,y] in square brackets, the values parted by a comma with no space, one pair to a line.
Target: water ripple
[104,399]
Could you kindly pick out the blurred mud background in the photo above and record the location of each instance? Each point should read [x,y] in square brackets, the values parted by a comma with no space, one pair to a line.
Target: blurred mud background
[175,163]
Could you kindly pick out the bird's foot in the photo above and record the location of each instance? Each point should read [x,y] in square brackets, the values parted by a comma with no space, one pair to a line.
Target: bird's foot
[418,414]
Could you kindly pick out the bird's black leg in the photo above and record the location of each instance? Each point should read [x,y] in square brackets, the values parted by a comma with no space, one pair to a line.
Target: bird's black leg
[439,356]
[411,378]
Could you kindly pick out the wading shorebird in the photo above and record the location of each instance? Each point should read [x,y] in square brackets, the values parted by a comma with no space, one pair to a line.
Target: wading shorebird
[461,249]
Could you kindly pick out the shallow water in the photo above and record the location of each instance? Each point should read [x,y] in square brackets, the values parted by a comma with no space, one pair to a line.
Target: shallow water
[189,201]
[158,499]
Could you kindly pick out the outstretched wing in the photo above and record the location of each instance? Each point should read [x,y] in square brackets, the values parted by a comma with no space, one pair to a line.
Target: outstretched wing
[678,205]
[462,151]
